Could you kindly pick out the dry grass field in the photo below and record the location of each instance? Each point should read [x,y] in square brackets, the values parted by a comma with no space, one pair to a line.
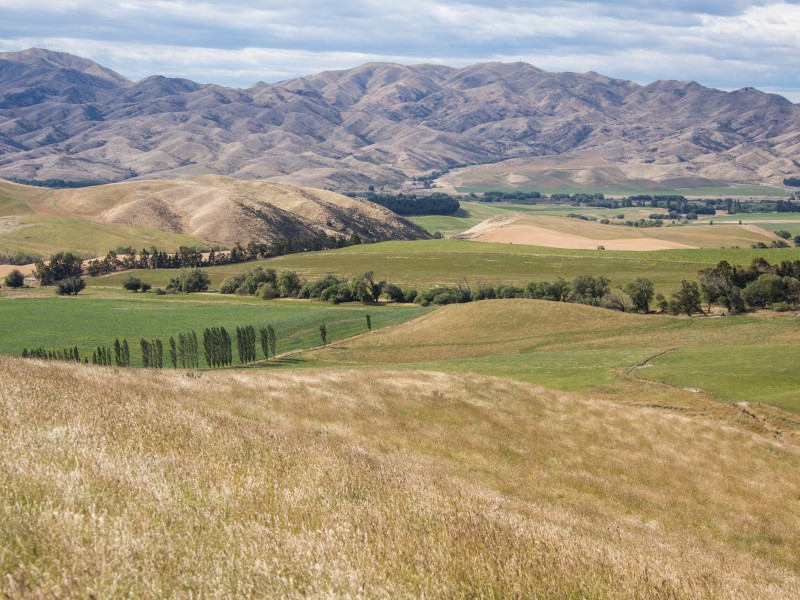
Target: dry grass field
[578,234]
[332,483]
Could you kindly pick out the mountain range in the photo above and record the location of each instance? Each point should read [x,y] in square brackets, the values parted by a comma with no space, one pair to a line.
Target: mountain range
[65,117]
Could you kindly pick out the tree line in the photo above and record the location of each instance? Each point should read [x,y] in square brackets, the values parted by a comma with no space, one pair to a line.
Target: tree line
[268,284]
[187,257]
[183,352]
[412,205]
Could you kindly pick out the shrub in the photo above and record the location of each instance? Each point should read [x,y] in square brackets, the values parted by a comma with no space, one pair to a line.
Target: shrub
[70,286]
[132,283]
[781,307]
[15,279]
[190,281]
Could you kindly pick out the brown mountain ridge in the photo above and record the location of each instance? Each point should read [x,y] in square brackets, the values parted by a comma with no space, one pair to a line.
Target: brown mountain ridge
[64,117]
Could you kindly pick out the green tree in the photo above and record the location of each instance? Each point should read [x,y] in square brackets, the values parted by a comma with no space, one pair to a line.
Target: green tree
[641,293]
[273,340]
[61,266]
[364,288]
[15,279]
[369,323]
[70,286]
[190,281]
[323,333]
[132,283]
[173,352]
[686,300]
[288,284]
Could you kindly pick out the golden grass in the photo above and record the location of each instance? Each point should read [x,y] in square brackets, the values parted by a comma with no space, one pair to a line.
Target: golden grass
[564,232]
[337,483]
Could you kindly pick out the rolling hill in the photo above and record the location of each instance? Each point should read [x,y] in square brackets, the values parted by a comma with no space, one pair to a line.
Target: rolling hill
[337,483]
[205,209]
[66,117]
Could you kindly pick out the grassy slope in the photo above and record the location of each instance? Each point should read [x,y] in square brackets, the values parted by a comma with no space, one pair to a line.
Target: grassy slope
[47,235]
[42,233]
[120,483]
[54,323]
[424,264]
[575,347]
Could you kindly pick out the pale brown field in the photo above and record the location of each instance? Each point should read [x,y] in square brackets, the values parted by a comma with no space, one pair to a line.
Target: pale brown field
[577,234]
[338,483]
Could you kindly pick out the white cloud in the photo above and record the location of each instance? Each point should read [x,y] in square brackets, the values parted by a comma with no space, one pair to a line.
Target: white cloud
[725,43]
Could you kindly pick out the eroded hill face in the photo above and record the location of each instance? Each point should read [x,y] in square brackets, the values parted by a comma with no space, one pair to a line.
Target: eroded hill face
[65,117]
[216,209]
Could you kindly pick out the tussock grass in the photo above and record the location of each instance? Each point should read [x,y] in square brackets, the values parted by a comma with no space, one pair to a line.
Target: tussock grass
[336,483]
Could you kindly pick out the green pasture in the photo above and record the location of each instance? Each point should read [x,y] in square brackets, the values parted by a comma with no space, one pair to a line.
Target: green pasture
[736,373]
[570,347]
[86,322]
[424,264]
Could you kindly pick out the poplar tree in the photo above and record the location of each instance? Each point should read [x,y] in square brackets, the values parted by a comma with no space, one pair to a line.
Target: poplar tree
[173,355]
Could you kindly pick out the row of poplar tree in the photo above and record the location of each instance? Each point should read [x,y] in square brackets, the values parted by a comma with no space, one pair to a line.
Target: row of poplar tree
[183,352]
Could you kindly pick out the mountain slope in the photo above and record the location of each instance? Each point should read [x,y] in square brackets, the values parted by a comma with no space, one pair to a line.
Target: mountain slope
[66,117]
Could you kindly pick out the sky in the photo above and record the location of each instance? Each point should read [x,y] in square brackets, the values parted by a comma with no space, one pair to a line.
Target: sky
[727,44]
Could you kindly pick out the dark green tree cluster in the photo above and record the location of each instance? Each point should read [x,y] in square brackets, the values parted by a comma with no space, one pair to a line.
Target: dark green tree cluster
[412,205]
[67,354]
[188,257]
[583,289]
[189,282]
[246,344]
[135,284]
[759,285]
[268,340]
[63,265]
[217,347]
[152,353]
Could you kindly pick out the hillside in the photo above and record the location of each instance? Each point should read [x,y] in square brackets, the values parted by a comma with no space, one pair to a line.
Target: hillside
[338,483]
[203,209]
[66,117]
